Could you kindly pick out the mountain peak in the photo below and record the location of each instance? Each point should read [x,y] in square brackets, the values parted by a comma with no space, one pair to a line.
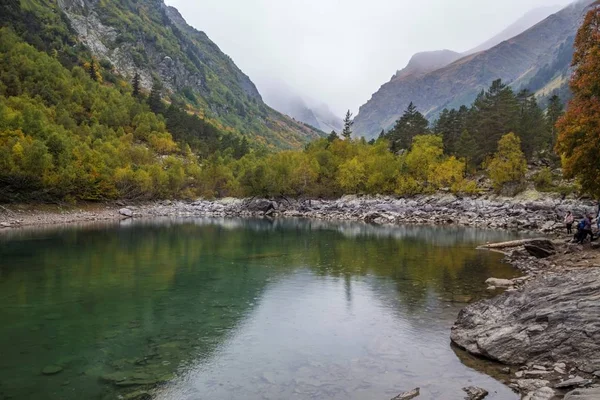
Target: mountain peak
[427,61]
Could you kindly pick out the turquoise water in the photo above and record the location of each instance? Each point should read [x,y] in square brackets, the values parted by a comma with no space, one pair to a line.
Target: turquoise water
[240,309]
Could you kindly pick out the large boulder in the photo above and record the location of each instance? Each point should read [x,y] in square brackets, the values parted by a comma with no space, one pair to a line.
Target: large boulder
[554,318]
[259,205]
[540,248]
[584,394]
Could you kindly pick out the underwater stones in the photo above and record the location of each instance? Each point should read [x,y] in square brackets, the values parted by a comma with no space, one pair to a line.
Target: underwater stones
[52,369]
[475,393]
[408,395]
[137,395]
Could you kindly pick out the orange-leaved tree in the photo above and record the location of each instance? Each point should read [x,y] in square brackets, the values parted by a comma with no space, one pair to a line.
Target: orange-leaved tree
[579,129]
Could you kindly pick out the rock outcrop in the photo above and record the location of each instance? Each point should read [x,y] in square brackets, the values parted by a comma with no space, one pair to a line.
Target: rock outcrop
[554,318]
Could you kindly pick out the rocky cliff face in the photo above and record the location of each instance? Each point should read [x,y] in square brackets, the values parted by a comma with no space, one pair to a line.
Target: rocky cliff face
[535,55]
[153,39]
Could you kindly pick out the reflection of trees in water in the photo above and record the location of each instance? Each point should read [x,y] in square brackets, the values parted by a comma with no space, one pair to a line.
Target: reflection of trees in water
[194,281]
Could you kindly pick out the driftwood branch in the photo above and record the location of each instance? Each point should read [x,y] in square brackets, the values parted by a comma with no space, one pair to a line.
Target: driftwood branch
[511,244]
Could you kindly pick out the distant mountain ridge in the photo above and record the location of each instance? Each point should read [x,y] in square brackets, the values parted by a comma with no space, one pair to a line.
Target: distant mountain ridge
[286,99]
[521,25]
[538,57]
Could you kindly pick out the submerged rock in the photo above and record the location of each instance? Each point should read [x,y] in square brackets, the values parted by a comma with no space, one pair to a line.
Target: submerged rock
[408,395]
[52,370]
[555,318]
[475,393]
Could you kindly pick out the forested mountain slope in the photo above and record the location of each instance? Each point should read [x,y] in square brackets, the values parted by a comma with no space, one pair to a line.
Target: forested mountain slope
[148,38]
[537,59]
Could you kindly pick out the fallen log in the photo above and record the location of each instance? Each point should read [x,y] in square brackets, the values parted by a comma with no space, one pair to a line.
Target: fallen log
[510,244]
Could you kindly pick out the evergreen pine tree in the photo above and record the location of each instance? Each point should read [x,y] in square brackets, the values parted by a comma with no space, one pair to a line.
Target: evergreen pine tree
[555,111]
[155,101]
[93,72]
[348,122]
[332,137]
[532,125]
[411,124]
[466,148]
[495,112]
[136,85]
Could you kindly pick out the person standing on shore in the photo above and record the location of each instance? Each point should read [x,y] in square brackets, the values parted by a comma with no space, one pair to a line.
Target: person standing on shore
[584,229]
[569,222]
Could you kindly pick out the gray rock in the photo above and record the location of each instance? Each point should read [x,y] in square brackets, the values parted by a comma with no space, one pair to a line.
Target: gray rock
[531,385]
[584,394]
[501,283]
[541,248]
[544,393]
[566,305]
[575,382]
[408,395]
[475,393]
[259,205]
[126,212]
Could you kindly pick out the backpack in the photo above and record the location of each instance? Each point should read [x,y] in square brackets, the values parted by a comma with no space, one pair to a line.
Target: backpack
[581,224]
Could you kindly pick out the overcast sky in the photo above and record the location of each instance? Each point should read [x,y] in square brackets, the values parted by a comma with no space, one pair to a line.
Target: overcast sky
[341,51]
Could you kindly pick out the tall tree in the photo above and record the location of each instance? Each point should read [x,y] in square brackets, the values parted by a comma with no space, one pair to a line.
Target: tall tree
[494,114]
[466,148]
[450,125]
[348,122]
[155,99]
[411,124]
[555,111]
[332,137]
[532,125]
[136,84]
[578,141]
[93,70]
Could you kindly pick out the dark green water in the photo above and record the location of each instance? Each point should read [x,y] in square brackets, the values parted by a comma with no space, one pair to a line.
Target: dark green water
[240,309]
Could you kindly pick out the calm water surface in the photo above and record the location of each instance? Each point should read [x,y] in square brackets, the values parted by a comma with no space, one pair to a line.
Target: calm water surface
[240,309]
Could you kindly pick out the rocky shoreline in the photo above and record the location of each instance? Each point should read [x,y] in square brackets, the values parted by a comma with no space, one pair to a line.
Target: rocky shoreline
[546,325]
[531,211]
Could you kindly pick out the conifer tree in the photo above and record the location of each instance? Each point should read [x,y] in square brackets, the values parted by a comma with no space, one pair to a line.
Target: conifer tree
[93,72]
[411,124]
[555,111]
[532,125]
[136,85]
[155,100]
[495,112]
[466,148]
[332,137]
[348,122]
